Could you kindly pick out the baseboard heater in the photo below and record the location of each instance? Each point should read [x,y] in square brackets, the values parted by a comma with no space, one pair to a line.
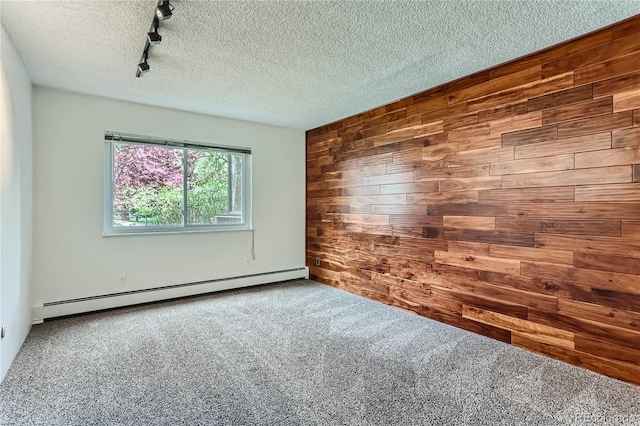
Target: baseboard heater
[59,308]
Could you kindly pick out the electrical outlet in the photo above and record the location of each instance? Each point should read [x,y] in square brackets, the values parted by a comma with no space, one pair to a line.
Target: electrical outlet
[247,261]
[317,261]
[123,280]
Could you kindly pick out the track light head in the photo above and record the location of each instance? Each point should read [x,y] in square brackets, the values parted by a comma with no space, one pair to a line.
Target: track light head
[163,12]
[143,67]
[154,37]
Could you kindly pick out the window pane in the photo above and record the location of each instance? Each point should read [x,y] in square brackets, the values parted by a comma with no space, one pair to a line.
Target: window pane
[147,185]
[211,183]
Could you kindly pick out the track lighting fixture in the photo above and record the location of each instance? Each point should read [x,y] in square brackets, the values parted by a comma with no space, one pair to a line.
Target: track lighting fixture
[162,12]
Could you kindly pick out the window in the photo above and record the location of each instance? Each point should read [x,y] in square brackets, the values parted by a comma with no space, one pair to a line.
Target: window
[156,185]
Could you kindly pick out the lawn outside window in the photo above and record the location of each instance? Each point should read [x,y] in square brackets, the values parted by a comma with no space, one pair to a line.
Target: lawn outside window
[158,185]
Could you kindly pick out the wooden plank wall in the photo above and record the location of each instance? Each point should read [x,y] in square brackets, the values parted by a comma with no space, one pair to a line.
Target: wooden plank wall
[506,203]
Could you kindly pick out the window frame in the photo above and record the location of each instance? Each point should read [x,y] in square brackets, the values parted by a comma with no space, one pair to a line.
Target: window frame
[109,230]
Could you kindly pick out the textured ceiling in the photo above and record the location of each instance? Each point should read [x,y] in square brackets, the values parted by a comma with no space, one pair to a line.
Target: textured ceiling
[291,63]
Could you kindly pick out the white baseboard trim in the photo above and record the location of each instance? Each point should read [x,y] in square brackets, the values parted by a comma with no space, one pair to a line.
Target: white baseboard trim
[42,311]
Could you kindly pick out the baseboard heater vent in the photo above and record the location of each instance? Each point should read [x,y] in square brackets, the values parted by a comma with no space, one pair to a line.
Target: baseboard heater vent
[134,297]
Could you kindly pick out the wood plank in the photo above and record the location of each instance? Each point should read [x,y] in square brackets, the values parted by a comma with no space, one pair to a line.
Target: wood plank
[518,224]
[510,238]
[496,85]
[427,128]
[466,247]
[626,100]
[491,141]
[591,244]
[611,281]
[470,222]
[524,298]
[523,137]
[608,157]
[382,199]
[606,349]
[378,239]
[452,172]
[455,121]
[466,210]
[367,152]
[473,326]
[539,164]
[608,193]
[533,254]
[377,229]
[613,299]
[512,310]
[391,281]
[398,209]
[412,167]
[480,156]
[484,263]
[581,110]
[407,156]
[593,227]
[607,333]
[626,137]
[332,200]
[505,111]
[597,55]
[591,142]
[631,228]
[537,195]
[438,152]
[412,298]
[453,86]
[357,218]
[597,124]
[536,285]
[407,188]
[618,370]
[618,66]
[427,104]
[590,227]
[537,332]
[603,175]
[457,197]
[582,210]
[388,179]
[636,173]
[475,183]
[626,28]
[597,313]
[608,262]
[470,132]
[561,98]
[360,190]
[434,115]
[549,85]
[516,123]
[613,85]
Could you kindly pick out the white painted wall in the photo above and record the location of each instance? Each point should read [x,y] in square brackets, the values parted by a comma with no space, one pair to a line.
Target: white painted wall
[71,257]
[15,203]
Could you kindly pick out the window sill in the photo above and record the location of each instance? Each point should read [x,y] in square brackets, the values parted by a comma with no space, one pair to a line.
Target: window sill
[177,231]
